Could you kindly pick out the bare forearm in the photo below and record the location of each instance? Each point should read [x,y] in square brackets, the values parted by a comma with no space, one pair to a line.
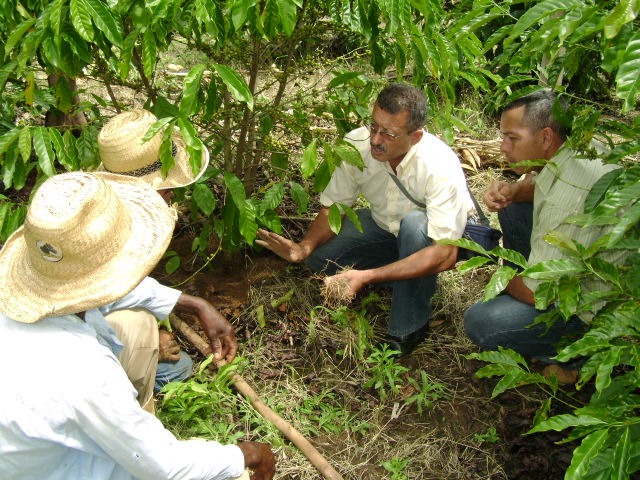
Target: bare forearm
[318,234]
[518,290]
[427,261]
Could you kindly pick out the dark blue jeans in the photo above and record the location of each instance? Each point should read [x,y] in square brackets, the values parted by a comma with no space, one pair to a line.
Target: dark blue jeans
[503,321]
[375,247]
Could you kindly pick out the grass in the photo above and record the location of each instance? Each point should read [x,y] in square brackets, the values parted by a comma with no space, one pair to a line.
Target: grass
[312,366]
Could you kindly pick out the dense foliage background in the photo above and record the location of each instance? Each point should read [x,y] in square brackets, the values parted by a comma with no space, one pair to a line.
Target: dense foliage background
[273,138]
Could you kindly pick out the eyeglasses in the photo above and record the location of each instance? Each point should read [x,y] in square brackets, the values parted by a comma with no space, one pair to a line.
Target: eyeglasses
[373,129]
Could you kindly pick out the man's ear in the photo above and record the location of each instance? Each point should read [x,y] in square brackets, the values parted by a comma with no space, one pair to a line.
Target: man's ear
[416,136]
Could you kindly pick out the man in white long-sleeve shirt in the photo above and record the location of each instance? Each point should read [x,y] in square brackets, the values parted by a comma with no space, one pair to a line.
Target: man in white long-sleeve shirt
[68,410]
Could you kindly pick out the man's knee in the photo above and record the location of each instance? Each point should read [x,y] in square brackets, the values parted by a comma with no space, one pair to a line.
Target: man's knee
[413,234]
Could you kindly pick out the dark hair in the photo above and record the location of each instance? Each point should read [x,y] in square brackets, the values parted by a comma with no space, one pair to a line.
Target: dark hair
[400,97]
[538,111]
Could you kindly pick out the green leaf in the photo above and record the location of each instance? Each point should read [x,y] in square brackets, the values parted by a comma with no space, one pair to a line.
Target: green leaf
[472,263]
[503,356]
[568,295]
[236,84]
[236,188]
[288,15]
[61,150]
[599,189]
[8,138]
[104,19]
[511,380]
[498,282]
[248,225]
[17,33]
[309,159]
[628,220]
[335,218]
[621,454]
[126,53]
[582,455]
[204,198]
[560,422]
[606,366]
[352,216]
[42,146]
[342,79]
[551,269]
[627,78]
[149,52]
[346,152]
[625,11]
[24,143]
[81,19]
[194,144]
[190,89]
[273,197]
[538,12]
[172,264]
[545,294]
[323,176]
[239,10]
[300,196]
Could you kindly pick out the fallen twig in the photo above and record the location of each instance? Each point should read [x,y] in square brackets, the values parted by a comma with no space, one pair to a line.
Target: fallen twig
[243,387]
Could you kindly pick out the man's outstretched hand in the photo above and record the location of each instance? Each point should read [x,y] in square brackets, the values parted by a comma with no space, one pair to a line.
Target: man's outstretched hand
[259,458]
[281,246]
[348,283]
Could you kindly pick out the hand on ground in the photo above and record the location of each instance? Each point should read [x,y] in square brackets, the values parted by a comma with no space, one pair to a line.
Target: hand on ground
[169,348]
[259,458]
[281,246]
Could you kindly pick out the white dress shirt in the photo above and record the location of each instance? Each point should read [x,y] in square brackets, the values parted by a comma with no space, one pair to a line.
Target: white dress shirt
[69,412]
[430,171]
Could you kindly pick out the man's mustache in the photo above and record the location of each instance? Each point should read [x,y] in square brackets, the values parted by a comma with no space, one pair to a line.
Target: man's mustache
[379,147]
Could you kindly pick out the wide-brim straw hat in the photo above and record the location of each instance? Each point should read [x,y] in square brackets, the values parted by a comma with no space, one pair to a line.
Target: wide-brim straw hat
[122,151]
[88,239]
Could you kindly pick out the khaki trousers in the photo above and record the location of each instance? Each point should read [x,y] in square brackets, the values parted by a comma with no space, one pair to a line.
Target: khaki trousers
[137,329]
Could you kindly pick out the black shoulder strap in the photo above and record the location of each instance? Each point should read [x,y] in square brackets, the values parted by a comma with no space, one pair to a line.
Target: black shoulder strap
[481,216]
[405,192]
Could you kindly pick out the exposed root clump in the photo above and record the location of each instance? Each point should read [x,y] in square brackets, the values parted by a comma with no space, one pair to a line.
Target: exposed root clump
[336,292]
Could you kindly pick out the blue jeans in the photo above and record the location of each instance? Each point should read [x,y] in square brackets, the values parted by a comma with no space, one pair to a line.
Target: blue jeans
[502,322]
[375,247]
[516,223]
[173,371]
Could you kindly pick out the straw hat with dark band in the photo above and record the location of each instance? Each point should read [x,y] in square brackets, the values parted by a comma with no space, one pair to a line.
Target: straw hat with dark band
[88,239]
[123,152]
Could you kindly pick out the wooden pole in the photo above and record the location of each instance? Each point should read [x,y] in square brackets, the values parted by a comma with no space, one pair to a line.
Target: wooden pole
[245,389]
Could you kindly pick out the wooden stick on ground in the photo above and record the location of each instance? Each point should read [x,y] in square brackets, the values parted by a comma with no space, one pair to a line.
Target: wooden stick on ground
[243,387]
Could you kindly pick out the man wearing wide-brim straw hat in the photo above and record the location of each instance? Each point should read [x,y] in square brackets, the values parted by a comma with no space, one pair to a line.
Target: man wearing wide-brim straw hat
[67,409]
[123,151]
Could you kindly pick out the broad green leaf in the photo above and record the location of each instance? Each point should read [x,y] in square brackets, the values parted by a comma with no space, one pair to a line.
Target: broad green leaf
[149,52]
[510,255]
[599,189]
[352,216]
[592,341]
[627,78]
[271,220]
[236,188]
[63,94]
[465,243]
[172,264]
[42,146]
[190,89]
[582,455]
[335,218]
[126,53]
[239,9]
[30,84]
[342,79]
[248,225]
[273,197]
[610,360]
[300,196]
[236,84]
[560,422]
[621,454]
[625,11]
[81,19]
[9,167]
[511,380]
[204,198]
[323,176]
[545,294]
[628,220]
[157,127]
[106,22]
[288,15]
[309,159]
[538,12]
[16,35]
[555,237]
[167,159]
[568,295]
[551,269]
[346,152]
[605,270]
[24,143]
[194,144]
[60,150]
[501,356]
[542,412]
[498,282]
[472,263]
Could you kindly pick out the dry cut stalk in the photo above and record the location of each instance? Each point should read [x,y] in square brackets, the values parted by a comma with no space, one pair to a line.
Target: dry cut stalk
[243,387]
